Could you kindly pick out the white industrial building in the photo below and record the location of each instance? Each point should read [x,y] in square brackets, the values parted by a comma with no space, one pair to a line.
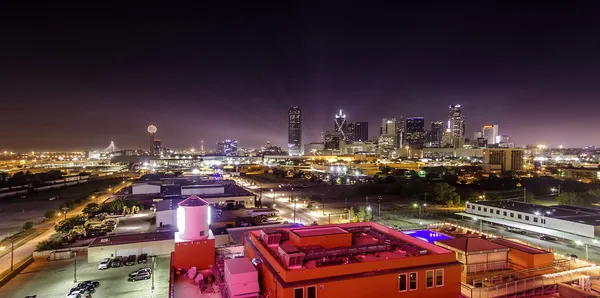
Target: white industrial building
[146,188]
[153,244]
[569,219]
[166,212]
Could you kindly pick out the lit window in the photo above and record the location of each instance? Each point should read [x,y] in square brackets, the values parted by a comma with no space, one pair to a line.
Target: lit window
[311,292]
[429,279]
[402,282]
[299,293]
[412,281]
[439,277]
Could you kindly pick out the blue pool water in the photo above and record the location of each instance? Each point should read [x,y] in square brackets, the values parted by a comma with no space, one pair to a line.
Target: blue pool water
[427,235]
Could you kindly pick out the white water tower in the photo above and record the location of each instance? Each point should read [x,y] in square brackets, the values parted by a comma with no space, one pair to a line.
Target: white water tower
[193,218]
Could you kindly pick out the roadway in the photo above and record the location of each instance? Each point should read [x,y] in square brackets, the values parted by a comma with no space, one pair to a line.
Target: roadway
[25,250]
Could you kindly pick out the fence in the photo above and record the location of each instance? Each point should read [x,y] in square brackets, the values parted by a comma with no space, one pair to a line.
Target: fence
[528,284]
[44,254]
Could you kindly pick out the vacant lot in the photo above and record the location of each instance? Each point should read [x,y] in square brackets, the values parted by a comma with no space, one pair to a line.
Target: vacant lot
[16,211]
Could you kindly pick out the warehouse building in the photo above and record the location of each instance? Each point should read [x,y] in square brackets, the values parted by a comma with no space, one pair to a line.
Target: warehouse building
[569,219]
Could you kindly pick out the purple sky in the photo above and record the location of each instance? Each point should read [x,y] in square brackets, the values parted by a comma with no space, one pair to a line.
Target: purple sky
[77,77]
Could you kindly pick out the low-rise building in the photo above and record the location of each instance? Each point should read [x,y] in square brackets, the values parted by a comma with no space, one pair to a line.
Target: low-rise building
[153,244]
[569,219]
[351,260]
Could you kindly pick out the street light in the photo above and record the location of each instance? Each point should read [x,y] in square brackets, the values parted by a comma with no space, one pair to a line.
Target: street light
[292,197]
[379,206]
[12,251]
[153,270]
[273,197]
[64,209]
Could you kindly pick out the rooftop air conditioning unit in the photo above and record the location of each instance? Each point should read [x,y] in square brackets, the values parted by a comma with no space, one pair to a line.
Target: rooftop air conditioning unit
[290,256]
[270,238]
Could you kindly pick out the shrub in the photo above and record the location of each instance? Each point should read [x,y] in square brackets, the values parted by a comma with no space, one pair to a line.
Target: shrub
[28,225]
[50,214]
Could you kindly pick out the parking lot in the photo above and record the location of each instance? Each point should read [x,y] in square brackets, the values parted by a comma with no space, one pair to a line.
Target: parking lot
[55,279]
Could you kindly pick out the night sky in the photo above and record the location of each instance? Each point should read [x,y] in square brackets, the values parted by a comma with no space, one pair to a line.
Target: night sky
[78,77]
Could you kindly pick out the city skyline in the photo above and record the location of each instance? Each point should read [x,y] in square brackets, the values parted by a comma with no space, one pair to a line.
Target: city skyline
[75,81]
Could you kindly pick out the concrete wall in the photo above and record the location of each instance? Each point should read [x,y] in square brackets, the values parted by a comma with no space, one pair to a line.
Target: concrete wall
[162,247]
[551,223]
[202,190]
[166,217]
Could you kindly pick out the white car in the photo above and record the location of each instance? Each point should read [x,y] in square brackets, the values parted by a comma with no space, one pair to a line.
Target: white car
[104,264]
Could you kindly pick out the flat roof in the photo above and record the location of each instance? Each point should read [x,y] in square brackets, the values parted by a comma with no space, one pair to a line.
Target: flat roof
[132,238]
[193,201]
[371,242]
[239,265]
[471,244]
[518,246]
[319,231]
[168,204]
[563,212]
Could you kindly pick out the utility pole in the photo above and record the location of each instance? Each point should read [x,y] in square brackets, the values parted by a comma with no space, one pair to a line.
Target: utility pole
[525,194]
[273,197]
[330,219]
[345,203]
[379,206]
[366,201]
[559,184]
[12,250]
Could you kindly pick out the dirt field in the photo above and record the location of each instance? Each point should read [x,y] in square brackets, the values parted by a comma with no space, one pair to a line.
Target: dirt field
[14,212]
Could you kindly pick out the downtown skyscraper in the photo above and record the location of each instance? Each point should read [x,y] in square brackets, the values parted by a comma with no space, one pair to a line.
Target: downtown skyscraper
[437,130]
[415,132]
[456,124]
[295,131]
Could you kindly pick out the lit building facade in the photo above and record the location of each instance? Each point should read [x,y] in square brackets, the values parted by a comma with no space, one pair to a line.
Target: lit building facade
[415,132]
[295,131]
[456,124]
[490,133]
[361,131]
[332,140]
[437,130]
[228,147]
[504,159]
[340,125]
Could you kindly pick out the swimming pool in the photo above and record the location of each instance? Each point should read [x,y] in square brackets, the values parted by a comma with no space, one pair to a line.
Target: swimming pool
[427,235]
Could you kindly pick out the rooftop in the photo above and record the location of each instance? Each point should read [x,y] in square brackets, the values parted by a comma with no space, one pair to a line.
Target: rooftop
[168,204]
[131,238]
[470,244]
[570,213]
[340,244]
[518,246]
[193,201]
[319,231]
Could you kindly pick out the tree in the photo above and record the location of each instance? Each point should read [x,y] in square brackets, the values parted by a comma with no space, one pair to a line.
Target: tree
[27,225]
[390,179]
[66,225]
[570,198]
[446,194]
[91,208]
[351,215]
[50,214]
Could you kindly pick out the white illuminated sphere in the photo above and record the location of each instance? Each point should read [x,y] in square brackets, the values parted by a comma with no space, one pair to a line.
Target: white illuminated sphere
[152,129]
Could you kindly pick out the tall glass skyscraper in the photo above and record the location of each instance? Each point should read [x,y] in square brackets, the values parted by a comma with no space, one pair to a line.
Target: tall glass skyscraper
[295,131]
[437,129]
[456,124]
[415,132]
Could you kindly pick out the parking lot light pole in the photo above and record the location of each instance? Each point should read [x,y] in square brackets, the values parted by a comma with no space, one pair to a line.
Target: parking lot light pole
[65,211]
[273,197]
[153,271]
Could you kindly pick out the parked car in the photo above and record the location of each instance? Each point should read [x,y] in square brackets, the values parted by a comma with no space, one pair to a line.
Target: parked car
[515,230]
[89,283]
[104,264]
[141,276]
[548,238]
[117,262]
[142,259]
[130,261]
[572,256]
[140,271]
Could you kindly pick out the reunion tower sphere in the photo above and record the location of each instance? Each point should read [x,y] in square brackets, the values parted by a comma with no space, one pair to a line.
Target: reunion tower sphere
[152,129]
